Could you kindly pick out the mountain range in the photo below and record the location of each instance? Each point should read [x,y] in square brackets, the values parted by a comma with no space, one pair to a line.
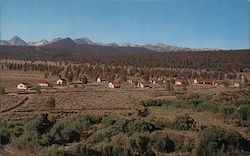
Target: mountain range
[68,42]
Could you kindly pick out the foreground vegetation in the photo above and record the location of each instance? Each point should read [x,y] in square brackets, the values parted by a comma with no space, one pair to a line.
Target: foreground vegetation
[108,134]
[115,135]
[231,105]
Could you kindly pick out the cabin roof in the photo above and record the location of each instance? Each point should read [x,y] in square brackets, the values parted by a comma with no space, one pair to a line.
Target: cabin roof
[43,81]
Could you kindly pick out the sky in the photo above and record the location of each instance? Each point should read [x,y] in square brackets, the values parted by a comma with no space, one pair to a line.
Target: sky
[188,23]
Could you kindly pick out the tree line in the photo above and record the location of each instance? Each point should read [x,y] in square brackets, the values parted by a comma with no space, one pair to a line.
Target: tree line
[226,61]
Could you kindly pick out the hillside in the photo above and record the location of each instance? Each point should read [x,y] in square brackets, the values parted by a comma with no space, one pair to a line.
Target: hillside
[229,60]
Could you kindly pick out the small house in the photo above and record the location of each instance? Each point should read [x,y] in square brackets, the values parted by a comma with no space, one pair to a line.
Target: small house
[101,79]
[156,81]
[24,86]
[114,84]
[178,81]
[61,82]
[132,79]
[143,85]
[234,85]
[80,81]
[43,83]
[204,81]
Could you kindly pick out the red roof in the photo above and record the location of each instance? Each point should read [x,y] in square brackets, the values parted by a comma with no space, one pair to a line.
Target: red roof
[145,84]
[156,80]
[177,80]
[43,81]
[115,83]
[206,81]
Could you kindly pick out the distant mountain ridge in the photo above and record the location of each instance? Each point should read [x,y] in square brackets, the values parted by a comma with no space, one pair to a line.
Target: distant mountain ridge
[68,42]
[65,42]
[83,41]
[15,41]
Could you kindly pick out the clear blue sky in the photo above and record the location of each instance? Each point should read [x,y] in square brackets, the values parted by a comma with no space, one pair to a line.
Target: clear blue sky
[189,23]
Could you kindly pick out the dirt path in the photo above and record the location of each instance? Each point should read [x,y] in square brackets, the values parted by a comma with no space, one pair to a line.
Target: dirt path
[11,151]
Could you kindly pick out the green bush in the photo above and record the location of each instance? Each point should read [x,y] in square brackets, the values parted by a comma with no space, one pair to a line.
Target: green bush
[61,132]
[102,134]
[118,150]
[32,132]
[40,123]
[121,125]
[162,143]
[152,102]
[218,141]
[108,120]
[54,151]
[184,122]
[84,150]
[139,144]
[4,134]
[2,90]
[244,113]
[51,103]
[139,125]
[28,140]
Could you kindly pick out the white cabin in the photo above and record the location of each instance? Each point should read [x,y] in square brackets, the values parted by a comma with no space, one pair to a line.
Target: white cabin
[23,86]
[61,82]
[101,79]
[114,84]
[143,85]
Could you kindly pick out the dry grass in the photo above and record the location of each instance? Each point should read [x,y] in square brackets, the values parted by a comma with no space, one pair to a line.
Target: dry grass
[96,97]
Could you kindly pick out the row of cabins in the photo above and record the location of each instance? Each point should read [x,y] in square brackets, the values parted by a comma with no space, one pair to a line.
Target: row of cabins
[115,84]
[25,86]
[41,83]
[143,84]
[177,81]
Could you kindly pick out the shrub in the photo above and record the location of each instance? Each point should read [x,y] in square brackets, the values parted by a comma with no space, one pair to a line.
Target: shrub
[41,124]
[138,144]
[101,134]
[184,122]
[28,140]
[244,113]
[118,150]
[81,122]
[54,151]
[51,103]
[32,132]
[162,143]
[120,125]
[62,132]
[4,134]
[152,102]
[139,125]
[83,150]
[108,120]
[218,141]
[2,90]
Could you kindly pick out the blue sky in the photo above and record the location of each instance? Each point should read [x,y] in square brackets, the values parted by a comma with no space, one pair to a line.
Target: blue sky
[189,23]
